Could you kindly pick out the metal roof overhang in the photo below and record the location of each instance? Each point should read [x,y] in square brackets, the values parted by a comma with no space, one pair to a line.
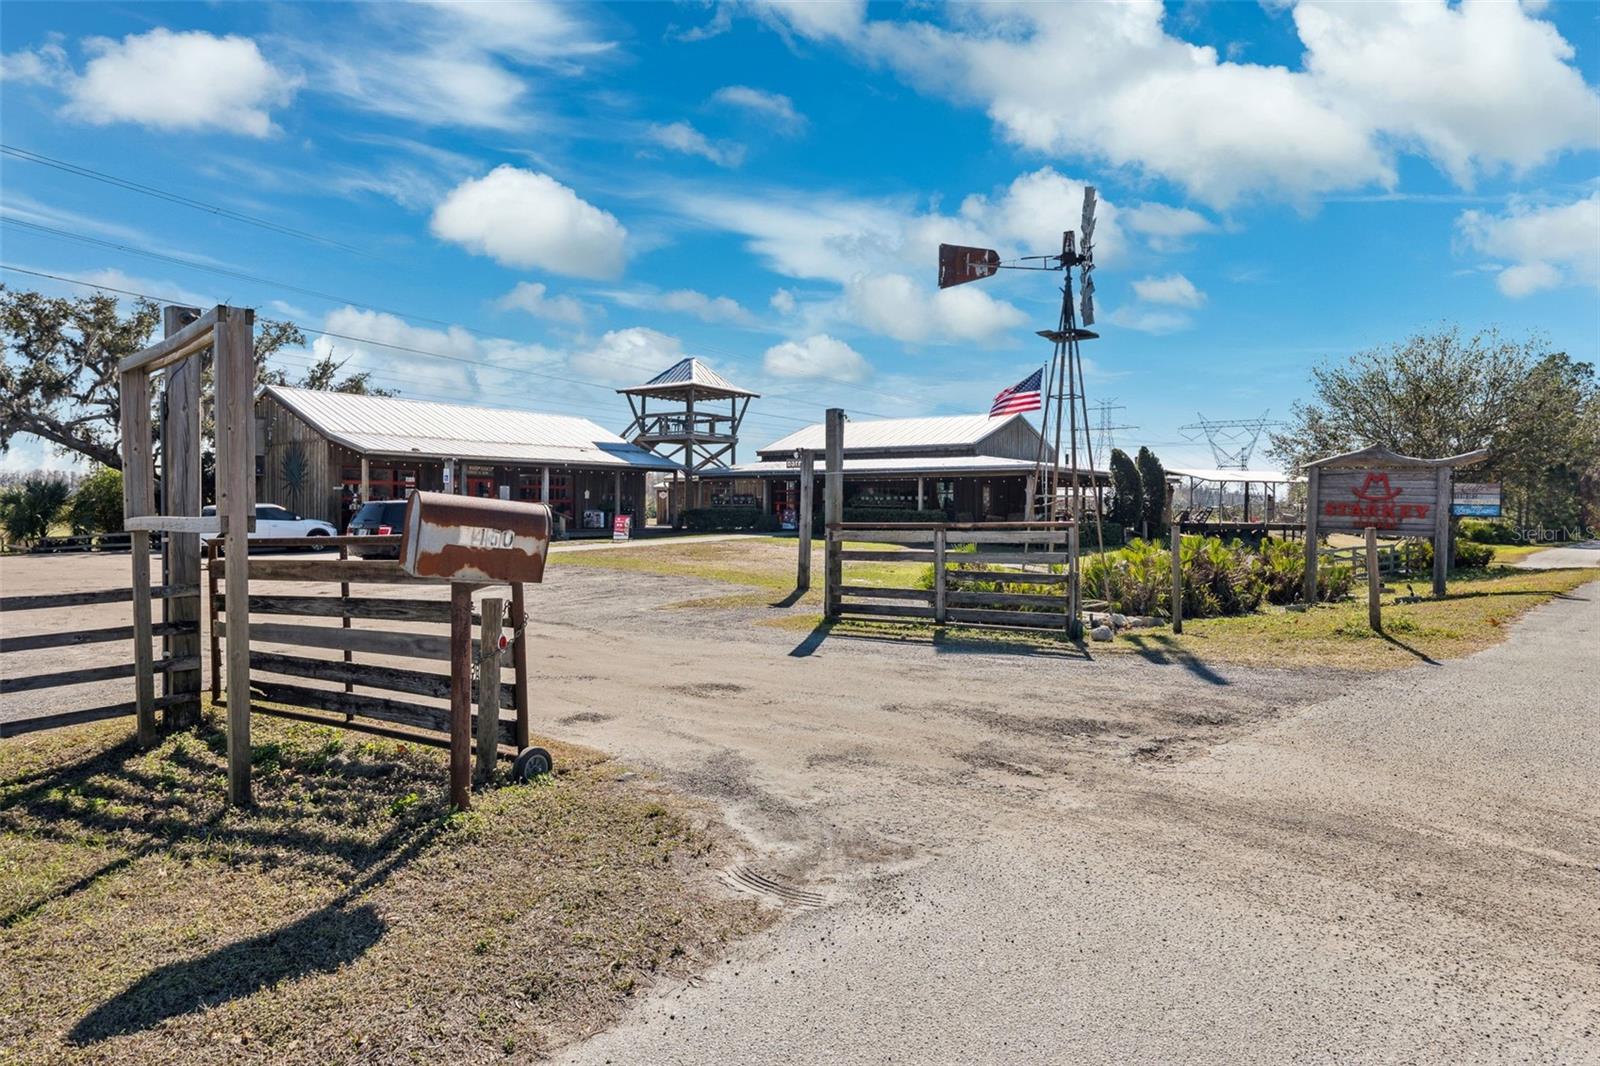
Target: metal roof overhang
[918,466]
[1255,477]
[626,457]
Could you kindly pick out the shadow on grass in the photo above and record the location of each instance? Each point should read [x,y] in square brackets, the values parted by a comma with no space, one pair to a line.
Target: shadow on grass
[1165,651]
[320,942]
[1403,646]
[789,600]
[171,800]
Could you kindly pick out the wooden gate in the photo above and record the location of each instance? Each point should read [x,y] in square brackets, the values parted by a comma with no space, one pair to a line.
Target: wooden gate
[986,573]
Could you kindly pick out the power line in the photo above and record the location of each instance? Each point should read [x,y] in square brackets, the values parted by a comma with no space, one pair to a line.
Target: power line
[404,316]
[176,198]
[368,340]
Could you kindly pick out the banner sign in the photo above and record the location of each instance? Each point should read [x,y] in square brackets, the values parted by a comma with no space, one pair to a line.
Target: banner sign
[1476,499]
[622,527]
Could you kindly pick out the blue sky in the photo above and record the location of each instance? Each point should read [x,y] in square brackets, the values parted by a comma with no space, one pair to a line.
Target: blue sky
[553,200]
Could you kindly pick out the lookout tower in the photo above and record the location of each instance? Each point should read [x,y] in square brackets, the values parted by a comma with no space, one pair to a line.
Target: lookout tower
[696,425]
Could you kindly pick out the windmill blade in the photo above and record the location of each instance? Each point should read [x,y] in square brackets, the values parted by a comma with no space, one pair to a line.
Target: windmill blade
[1086,230]
[959,264]
[1086,301]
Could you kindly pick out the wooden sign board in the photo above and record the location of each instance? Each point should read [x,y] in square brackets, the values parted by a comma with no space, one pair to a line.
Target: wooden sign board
[1397,495]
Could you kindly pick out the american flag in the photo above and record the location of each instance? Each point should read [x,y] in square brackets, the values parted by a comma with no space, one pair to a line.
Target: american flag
[1023,396]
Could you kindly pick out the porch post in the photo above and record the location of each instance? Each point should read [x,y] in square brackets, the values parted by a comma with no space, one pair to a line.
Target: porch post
[544,485]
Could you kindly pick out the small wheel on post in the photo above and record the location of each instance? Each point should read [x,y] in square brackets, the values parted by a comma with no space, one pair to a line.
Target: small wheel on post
[531,762]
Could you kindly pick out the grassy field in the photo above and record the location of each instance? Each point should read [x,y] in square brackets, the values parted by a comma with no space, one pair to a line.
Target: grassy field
[1473,616]
[765,564]
[348,917]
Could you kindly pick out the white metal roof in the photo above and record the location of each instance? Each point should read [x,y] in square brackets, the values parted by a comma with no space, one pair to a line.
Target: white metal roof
[690,372]
[940,431]
[1233,476]
[384,425]
[903,466]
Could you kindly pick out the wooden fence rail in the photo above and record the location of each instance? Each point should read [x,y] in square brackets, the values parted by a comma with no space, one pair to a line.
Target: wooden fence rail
[11,683]
[285,667]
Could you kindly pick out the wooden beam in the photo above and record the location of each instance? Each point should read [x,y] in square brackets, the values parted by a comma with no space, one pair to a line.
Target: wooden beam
[86,675]
[833,508]
[180,496]
[808,478]
[433,646]
[367,675]
[233,371]
[415,715]
[460,655]
[489,686]
[189,525]
[941,595]
[51,600]
[195,337]
[1441,529]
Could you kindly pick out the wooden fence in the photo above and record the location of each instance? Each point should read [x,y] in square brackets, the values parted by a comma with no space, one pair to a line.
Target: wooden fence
[145,703]
[1355,557]
[1028,562]
[287,671]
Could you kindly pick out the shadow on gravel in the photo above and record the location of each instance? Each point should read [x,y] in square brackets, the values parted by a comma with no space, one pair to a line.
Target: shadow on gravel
[1164,651]
[1403,646]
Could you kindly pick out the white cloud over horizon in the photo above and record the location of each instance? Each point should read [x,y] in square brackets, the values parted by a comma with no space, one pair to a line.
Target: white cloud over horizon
[1549,245]
[521,218]
[818,356]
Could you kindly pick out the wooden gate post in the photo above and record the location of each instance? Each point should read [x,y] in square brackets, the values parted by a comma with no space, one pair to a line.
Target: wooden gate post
[833,511]
[460,696]
[1177,579]
[808,476]
[138,498]
[519,656]
[940,542]
[1441,529]
[489,687]
[1074,598]
[180,495]
[1374,582]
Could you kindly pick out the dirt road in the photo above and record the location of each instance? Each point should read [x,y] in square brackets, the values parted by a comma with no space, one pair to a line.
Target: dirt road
[1406,871]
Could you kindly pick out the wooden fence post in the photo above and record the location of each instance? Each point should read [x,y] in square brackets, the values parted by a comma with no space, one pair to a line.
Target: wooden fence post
[808,476]
[344,620]
[233,370]
[833,511]
[1074,600]
[1441,529]
[180,495]
[1177,579]
[1374,582]
[460,696]
[519,656]
[1308,592]
[215,642]
[489,687]
[940,542]
[138,498]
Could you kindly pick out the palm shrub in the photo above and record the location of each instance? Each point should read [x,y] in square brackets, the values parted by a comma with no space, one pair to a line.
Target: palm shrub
[1281,565]
[27,510]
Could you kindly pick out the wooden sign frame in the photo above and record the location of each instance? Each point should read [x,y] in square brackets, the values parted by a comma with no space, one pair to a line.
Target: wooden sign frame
[1368,487]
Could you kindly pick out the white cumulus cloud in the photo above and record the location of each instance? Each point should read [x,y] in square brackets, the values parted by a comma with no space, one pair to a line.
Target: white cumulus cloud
[1548,245]
[179,81]
[532,297]
[896,306]
[818,356]
[627,356]
[1174,290]
[521,218]
[714,309]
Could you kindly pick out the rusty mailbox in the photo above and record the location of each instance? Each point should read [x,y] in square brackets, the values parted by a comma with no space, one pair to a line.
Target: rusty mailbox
[469,539]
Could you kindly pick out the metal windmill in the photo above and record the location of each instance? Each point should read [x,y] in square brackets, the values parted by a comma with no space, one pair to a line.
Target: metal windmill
[1061,489]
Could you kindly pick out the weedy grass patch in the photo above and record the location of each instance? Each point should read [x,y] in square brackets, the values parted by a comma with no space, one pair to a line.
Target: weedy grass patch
[348,916]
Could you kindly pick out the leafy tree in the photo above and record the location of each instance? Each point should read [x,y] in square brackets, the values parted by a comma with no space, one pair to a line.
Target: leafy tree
[58,374]
[1443,393]
[324,375]
[27,510]
[96,505]
[1152,491]
[1126,495]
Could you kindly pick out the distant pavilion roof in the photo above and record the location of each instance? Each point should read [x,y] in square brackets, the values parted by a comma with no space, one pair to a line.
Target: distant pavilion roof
[685,377]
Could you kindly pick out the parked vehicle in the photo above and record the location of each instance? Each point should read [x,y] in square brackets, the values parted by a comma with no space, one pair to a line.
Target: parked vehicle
[379,518]
[275,521]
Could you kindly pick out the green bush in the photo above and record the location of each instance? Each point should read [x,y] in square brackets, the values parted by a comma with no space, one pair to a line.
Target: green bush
[1472,556]
[720,519]
[1416,556]
[96,505]
[1488,531]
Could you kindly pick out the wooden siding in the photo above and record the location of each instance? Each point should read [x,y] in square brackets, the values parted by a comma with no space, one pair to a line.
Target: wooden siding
[297,469]
[1016,440]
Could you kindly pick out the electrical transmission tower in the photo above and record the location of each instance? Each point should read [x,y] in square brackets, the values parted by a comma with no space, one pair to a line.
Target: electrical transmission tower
[1105,431]
[1232,441]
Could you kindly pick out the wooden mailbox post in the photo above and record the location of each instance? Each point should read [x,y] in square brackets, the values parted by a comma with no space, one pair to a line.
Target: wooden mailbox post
[1378,488]
[229,333]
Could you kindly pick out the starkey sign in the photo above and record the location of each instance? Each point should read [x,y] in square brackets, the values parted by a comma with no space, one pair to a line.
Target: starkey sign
[1398,495]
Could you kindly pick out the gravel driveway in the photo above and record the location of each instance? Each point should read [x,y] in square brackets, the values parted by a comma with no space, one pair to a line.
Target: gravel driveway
[1404,872]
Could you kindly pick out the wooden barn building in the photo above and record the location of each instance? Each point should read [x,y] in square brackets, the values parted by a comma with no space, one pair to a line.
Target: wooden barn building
[974,467]
[322,453]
